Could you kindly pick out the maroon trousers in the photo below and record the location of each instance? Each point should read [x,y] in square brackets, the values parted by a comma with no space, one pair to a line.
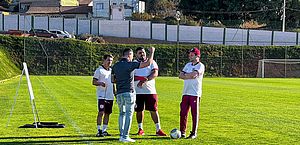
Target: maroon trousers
[188,102]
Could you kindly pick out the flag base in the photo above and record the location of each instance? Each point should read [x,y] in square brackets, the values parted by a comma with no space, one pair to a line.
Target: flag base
[44,125]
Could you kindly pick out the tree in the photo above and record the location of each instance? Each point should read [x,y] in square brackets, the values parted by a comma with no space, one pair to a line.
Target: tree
[5,3]
[263,11]
[161,7]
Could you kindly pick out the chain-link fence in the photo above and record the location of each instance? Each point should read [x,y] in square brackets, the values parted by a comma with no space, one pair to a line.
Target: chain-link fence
[219,62]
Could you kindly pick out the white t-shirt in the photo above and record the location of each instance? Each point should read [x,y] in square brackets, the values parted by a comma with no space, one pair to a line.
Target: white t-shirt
[193,87]
[104,75]
[149,86]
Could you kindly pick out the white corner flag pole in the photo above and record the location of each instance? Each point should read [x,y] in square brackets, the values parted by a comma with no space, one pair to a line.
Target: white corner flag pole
[30,90]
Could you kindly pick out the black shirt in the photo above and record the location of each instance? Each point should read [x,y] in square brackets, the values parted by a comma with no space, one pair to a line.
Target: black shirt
[124,74]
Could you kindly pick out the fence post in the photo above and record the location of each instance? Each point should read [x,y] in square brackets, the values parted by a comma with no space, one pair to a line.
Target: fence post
[48,22]
[91,25]
[151,30]
[248,36]
[77,21]
[297,38]
[3,22]
[129,28]
[18,22]
[224,36]
[201,34]
[272,38]
[32,22]
[98,26]
[63,23]
[166,31]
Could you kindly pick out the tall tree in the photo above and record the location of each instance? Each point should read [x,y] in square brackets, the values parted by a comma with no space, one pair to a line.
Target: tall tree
[5,3]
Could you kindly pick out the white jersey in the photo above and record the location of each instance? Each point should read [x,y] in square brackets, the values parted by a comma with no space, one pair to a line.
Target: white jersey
[193,87]
[104,75]
[149,86]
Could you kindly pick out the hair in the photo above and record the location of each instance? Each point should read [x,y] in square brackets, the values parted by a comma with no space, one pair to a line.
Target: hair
[127,51]
[107,56]
[139,48]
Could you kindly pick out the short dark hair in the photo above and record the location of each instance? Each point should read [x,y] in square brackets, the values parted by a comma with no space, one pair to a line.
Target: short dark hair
[139,48]
[126,51]
[107,56]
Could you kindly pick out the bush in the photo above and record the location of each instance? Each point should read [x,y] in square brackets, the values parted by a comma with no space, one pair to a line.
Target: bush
[141,17]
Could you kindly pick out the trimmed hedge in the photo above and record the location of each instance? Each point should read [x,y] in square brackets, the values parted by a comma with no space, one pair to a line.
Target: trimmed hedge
[76,57]
[7,68]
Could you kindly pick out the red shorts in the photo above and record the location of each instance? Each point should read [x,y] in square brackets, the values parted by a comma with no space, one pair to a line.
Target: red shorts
[146,101]
[105,105]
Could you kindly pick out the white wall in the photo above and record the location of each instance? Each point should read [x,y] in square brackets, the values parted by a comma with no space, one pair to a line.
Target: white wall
[140,26]
[56,23]
[158,31]
[114,28]
[41,23]
[141,29]
[70,26]
[12,20]
[84,26]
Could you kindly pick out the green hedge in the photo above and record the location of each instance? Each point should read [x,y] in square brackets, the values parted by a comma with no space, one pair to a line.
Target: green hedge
[76,57]
[7,68]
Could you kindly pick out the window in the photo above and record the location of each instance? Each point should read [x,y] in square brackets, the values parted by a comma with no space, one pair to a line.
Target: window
[99,6]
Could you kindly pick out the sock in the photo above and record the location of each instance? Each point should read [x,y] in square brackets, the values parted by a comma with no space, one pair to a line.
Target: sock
[140,125]
[98,127]
[157,125]
[104,127]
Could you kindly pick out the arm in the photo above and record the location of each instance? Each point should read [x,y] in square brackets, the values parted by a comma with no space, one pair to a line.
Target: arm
[153,75]
[185,76]
[96,83]
[150,59]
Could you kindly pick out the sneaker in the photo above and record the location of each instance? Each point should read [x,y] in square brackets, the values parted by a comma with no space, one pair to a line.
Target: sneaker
[126,139]
[183,135]
[105,133]
[141,132]
[192,135]
[160,133]
[99,134]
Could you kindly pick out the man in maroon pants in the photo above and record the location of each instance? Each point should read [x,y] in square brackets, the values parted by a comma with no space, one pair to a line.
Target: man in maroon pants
[192,74]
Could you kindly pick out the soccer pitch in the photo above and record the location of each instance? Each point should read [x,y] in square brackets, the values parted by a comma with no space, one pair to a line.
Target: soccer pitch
[233,111]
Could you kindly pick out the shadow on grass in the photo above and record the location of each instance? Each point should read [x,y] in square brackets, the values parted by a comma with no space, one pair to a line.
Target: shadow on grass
[82,140]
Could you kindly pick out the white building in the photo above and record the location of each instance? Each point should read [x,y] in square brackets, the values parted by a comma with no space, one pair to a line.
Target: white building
[117,9]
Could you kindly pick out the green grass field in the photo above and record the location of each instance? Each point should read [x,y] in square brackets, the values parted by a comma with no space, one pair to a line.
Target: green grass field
[233,111]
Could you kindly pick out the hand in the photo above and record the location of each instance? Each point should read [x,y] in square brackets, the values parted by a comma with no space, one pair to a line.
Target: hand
[140,84]
[151,49]
[102,84]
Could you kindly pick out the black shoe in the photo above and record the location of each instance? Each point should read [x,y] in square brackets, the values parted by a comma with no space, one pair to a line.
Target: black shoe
[105,133]
[192,135]
[99,134]
[183,135]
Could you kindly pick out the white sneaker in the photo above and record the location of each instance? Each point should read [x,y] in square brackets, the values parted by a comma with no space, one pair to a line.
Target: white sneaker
[126,139]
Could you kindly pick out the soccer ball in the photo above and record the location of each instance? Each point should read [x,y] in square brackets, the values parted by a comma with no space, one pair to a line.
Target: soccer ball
[175,133]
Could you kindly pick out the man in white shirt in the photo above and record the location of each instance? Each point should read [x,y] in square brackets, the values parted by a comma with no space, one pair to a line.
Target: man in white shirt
[105,94]
[192,74]
[146,96]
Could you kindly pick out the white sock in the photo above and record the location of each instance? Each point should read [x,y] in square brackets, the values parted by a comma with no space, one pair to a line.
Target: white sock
[157,125]
[104,127]
[140,125]
[98,127]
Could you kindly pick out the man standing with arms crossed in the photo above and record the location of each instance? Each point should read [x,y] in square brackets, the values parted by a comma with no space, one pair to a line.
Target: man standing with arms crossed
[192,74]
[146,96]
[102,80]
[123,76]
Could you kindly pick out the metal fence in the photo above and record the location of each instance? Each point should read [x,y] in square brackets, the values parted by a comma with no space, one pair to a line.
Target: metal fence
[218,63]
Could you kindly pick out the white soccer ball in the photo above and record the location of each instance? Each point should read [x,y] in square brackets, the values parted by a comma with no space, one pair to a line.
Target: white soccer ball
[175,133]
